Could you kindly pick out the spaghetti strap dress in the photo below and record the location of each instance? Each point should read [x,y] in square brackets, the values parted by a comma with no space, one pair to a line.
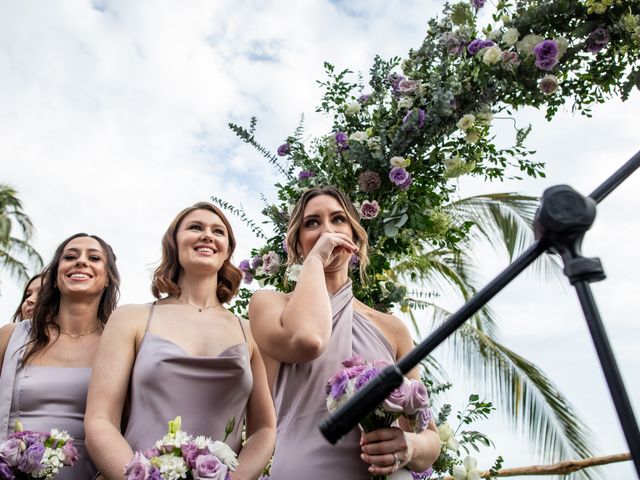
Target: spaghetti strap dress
[205,391]
[300,400]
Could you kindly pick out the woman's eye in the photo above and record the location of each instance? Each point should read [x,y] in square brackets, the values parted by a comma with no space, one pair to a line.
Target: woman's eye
[339,219]
[311,223]
[69,257]
[196,227]
[95,258]
[219,231]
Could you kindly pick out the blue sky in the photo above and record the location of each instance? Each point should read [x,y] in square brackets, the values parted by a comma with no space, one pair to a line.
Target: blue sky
[115,117]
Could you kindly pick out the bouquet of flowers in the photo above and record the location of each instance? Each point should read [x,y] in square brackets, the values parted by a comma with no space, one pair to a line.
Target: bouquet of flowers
[409,400]
[181,456]
[28,454]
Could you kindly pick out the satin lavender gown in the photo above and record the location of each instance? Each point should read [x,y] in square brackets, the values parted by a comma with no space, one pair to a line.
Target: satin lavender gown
[205,391]
[300,399]
[54,397]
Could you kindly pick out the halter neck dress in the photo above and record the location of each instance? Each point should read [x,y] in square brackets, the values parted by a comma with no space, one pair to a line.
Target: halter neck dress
[49,397]
[205,391]
[300,400]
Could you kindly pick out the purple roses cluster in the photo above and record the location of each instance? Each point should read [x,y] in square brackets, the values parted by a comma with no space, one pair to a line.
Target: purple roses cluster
[23,454]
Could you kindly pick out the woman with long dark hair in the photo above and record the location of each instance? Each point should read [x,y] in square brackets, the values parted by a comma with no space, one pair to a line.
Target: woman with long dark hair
[47,361]
[28,301]
[304,335]
[183,355]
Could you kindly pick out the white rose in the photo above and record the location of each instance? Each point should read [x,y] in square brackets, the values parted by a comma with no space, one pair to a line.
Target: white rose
[466,122]
[525,46]
[510,37]
[225,453]
[472,137]
[399,162]
[563,44]
[492,55]
[352,108]
[359,136]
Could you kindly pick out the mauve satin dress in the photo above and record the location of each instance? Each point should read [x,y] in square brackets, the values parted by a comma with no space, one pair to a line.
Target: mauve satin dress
[54,397]
[301,450]
[206,392]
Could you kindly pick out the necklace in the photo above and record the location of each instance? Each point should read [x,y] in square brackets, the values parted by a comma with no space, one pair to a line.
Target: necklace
[200,309]
[78,335]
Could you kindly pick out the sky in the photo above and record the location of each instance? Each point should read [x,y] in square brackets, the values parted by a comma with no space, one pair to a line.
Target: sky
[114,117]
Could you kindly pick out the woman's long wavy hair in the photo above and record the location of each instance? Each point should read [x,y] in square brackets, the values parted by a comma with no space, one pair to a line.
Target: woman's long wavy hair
[18,316]
[360,237]
[167,275]
[48,304]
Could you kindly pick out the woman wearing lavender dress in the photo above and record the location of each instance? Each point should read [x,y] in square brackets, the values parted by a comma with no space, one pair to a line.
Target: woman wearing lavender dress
[47,361]
[304,335]
[29,298]
[183,355]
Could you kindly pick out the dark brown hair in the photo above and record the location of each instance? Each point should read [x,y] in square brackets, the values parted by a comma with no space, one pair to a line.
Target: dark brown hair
[17,316]
[360,237]
[48,304]
[166,277]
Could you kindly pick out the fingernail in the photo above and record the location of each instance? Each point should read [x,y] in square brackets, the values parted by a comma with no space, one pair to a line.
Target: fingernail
[362,456]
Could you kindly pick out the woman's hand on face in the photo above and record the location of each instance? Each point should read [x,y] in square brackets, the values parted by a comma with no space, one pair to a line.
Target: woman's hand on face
[331,245]
[386,450]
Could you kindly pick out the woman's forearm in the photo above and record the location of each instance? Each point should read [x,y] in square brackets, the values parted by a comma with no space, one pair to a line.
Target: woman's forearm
[108,449]
[425,450]
[255,455]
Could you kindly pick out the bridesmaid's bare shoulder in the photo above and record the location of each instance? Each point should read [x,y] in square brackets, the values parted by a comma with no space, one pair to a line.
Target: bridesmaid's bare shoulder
[5,336]
[394,329]
[129,319]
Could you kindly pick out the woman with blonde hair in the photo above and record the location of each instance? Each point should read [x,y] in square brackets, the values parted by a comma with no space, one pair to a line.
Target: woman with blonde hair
[303,337]
[183,355]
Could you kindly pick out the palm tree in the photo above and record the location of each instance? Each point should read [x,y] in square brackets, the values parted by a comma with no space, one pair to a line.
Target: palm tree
[17,255]
[523,392]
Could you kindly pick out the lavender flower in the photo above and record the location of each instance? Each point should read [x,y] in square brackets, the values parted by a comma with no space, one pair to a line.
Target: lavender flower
[597,40]
[138,467]
[369,181]
[5,471]
[365,376]
[338,385]
[244,266]
[424,417]
[209,467]
[407,86]
[406,184]
[10,452]
[71,455]
[354,361]
[416,398]
[305,174]
[342,141]
[31,458]
[189,453]
[395,401]
[394,79]
[400,177]
[476,45]
[422,475]
[284,246]
[478,4]
[369,210]
[547,54]
[354,261]
[284,149]
[363,99]
[510,59]
[271,262]
[256,261]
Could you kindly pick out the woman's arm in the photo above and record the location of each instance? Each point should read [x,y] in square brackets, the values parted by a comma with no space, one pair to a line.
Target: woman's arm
[297,328]
[5,336]
[417,451]
[108,390]
[261,423]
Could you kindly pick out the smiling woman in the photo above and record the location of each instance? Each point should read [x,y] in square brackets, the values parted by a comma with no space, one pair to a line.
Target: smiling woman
[47,361]
[183,355]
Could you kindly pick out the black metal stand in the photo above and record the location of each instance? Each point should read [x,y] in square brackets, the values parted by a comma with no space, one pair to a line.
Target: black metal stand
[564,216]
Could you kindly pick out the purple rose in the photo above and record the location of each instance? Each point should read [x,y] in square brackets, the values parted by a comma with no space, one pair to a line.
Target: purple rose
[5,471]
[256,262]
[424,417]
[154,474]
[394,80]
[547,54]
[369,210]
[284,149]
[418,117]
[338,385]
[407,86]
[597,40]
[353,361]
[29,437]
[31,458]
[138,468]
[478,4]
[476,45]
[208,466]
[395,401]
[364,98]
[399,176]
[453,43]
[71,455]
[365,376]
[244,266]
[152,452]
[10,452]
[189,454]
[247,277]
[406,184]
[342,141]
[305,174]
[353,372]
[416,397]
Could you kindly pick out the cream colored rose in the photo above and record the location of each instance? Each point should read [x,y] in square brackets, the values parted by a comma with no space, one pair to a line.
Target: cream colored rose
[492,55]
[525,46]
[563,44]
[472,137]
[352,108]
[510,37]
[466,122]
[399,162]
[359,136]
